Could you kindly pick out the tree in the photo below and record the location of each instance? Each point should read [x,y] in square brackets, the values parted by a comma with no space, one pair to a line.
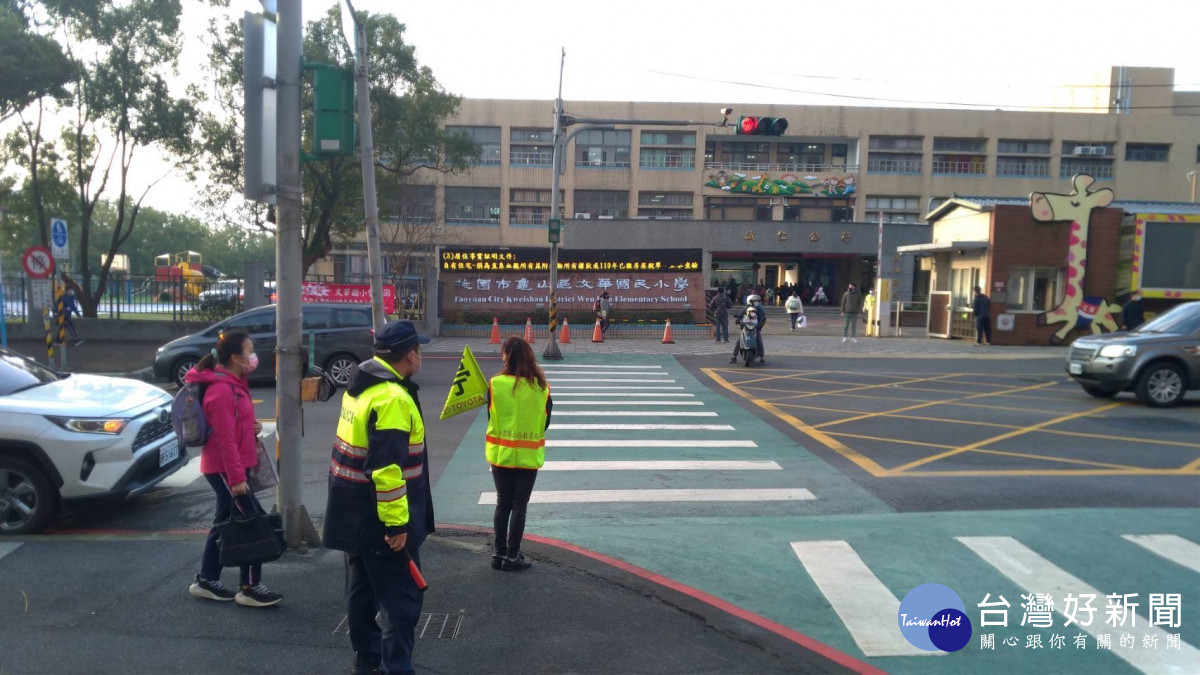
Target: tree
[409,110]
[31,66]
[121,107]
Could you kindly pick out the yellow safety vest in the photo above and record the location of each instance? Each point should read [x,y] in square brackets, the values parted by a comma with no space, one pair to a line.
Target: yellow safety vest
[516,431]
[394,409]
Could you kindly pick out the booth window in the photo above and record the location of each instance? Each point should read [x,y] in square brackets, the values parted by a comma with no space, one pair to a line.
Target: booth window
[1034,289]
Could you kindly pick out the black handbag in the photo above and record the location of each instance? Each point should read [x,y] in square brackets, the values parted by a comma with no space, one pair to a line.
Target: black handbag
[250,538]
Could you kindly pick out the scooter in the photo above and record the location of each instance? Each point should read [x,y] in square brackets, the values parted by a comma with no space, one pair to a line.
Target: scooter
[747,344]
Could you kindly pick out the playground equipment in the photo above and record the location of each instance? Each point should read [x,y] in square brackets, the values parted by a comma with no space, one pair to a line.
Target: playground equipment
[186,267]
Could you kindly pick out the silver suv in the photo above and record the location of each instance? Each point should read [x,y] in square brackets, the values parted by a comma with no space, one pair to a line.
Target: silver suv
[1159,361]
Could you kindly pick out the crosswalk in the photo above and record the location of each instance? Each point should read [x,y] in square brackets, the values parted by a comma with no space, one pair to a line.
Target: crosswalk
[868,609]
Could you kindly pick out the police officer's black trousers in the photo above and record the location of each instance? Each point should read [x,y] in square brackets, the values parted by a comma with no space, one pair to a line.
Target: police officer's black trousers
[513,488]
[381,582]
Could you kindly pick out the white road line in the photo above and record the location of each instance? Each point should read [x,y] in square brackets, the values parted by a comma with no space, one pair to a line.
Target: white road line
[669,465]
[596,365]
[609,496]
[606,379]
[7,547]
[1035,574]
[647,443]
[641,427]
[634,413]
[634,388]
[637,402]
[573,373]
[1170,546]
[622,394]
[866,607]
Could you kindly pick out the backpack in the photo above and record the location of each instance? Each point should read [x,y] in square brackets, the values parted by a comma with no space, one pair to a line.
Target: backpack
[596,305]
[187,415]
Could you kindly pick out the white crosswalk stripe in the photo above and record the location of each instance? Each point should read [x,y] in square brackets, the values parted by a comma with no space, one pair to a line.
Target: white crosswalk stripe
[624,394]
[549,367]
[7,547]
[623,389]
[1035,574]
[635,413]
[558,403]
[647,443]
[662,465]
[1170,546]
[661,495]
[641,427]
[865,606]
[554,380]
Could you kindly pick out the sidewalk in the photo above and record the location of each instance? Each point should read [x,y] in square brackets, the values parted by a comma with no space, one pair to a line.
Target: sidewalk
[95,356]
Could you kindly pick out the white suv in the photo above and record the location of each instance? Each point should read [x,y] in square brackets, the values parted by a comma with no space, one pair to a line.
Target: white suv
[68,438]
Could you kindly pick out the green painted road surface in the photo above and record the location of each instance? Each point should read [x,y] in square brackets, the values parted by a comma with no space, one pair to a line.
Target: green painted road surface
[786,536]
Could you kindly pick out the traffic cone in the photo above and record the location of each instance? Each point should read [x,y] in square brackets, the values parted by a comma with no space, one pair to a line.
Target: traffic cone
[529,330]
[495,339]
[667,339]
[597,334]
[566,334]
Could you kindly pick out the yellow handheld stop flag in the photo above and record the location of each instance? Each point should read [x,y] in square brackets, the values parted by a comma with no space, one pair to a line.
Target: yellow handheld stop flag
[469,390]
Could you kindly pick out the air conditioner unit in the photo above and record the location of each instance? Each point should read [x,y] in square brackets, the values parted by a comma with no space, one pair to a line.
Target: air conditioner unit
[604,217]
[583,216]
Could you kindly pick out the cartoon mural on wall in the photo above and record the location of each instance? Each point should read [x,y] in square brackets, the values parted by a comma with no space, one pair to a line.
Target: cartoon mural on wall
[785,185]
[1075,311]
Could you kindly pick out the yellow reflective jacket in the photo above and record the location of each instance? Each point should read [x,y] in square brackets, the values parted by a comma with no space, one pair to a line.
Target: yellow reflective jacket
[517,420]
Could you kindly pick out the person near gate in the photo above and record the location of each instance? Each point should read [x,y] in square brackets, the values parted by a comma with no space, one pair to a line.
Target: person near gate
[720,308]
[67,308]
[794,308]
[753,302]
[1132,314]
[981,305]
[602,306]
[519,407]
[380,507]
[852,304]
[228,452]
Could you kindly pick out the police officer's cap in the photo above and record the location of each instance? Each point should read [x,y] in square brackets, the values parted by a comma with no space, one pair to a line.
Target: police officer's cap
[398,336]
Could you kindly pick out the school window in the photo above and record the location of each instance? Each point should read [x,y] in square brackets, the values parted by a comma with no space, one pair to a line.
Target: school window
[745,153]
[673,205]
[894,154]
[1146,152]
[531,147]
[1011,146]
[488,139]
[667,158]
[673,138]
[603,149]
[473,205]
[894,209]
[413,204]
[602,203]
[1034,289]
[1022,166]
[801,155]
[959,156]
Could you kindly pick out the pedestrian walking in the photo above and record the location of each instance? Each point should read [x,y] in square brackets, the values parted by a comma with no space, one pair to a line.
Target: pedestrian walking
[1132,314]
[852,304]
[981,306]
[515,445]
[720,306]
[770,296]
[380,507]
[602,306]
[67,308]
[794,309]
[229,451]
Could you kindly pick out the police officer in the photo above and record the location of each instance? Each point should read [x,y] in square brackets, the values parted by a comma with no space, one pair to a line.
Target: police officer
[380,504]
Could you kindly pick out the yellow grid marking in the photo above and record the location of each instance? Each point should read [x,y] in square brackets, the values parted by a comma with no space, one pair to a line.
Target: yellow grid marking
[919,406]
[1049,458]
[865,437]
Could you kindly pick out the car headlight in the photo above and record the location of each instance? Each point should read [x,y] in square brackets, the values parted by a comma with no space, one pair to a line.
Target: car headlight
[91,425]
[1118,351]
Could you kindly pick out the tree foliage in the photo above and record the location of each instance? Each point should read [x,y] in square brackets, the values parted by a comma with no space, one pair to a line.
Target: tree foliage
[31,65]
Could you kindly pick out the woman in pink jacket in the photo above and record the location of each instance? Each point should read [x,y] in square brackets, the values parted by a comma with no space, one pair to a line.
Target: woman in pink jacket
[228,453]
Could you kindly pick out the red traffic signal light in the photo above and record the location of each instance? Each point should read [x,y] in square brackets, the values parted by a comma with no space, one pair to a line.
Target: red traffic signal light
[762,126]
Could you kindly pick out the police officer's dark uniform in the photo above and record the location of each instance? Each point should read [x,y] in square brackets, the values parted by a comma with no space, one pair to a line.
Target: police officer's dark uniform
[379,485]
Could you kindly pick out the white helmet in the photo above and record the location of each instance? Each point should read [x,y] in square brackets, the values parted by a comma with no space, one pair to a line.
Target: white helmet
[753,298]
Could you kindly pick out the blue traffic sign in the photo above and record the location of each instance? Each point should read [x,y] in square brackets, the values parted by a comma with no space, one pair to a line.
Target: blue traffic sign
[58,237]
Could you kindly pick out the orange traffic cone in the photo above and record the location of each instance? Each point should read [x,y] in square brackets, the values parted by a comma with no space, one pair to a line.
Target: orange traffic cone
[667,339]
[528,330]
[597,334]
[566,334]
[495,339]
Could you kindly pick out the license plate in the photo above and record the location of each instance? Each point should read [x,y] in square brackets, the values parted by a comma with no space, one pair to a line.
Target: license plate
[1075,368]
[168,453]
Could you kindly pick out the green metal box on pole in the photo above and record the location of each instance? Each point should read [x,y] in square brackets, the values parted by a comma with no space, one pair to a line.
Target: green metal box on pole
[333,112]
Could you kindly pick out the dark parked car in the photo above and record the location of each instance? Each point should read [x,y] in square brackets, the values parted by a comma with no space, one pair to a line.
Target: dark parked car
[1159,361]
[342,335]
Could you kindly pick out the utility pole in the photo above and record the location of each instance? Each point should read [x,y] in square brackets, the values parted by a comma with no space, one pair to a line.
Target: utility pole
[298,528]
[555,223]
[366,151]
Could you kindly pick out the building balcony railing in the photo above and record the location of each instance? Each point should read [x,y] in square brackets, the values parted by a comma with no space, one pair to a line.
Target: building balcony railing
[786,168]
[969,168]
[528,218]
[594,164]
[535,159]
[1102,171]
[1021,170]
[893,166]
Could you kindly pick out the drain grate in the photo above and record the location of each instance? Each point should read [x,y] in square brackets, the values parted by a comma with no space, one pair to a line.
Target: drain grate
[439,626]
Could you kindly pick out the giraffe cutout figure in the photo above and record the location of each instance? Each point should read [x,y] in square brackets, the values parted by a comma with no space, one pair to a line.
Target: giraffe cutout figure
[1075,311]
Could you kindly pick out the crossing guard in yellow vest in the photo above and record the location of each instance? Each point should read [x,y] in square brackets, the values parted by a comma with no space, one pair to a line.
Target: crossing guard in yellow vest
[515,445]
[380,504]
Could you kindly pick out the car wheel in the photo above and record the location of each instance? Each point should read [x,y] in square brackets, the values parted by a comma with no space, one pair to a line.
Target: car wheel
[341,367]
[27,499]
[1098,392]
[180,368]
[1161,385]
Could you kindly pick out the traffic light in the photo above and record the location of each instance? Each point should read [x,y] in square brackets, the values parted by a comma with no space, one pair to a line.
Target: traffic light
[762,126]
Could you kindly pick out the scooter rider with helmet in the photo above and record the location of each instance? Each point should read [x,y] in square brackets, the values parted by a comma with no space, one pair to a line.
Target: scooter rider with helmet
[754,303]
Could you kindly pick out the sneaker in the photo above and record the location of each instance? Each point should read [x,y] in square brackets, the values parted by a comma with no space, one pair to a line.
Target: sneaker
[79,342]
[854,340]
[762,363]
[517,563]
[843,339]
[211,590]
[360,667]
[733,360]
[497,562]
[257,596]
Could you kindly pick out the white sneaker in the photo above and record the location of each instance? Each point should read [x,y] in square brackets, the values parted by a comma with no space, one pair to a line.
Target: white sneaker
[843,339]
[854,340]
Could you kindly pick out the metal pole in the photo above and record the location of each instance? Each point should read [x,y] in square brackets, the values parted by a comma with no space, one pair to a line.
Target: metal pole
[366,150]
[556,166]
[298,528]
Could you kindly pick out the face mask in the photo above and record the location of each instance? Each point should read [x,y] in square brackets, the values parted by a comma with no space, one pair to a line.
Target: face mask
[251,363]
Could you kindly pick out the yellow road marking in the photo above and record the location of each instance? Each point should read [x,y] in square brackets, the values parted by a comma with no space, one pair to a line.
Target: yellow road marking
[1004,437]
[1065,460]
[865,463]
[933,403]
[864,437]
[893,399]
[743,383]
[1193,466]
[943,420]
[1022,473]
[863,387]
